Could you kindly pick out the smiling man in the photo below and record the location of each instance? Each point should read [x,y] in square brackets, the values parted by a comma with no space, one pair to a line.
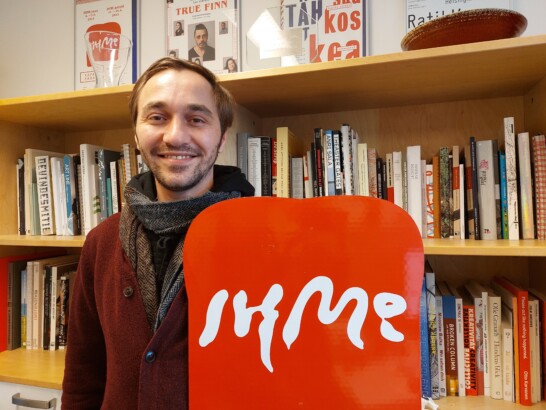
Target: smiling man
[127,341]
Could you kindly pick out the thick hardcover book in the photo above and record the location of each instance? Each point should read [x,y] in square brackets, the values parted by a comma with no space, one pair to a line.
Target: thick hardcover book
[470,370]
[539,168]
[494,342]
[65,287]
[15,269]
[527,220]
[426,388]
[511,178]
[206,33]
[475,185]
[415,200]
[105,157]
[116,16]
[541,297]
[446,194]
[288,145]
[507,289]
[265,164]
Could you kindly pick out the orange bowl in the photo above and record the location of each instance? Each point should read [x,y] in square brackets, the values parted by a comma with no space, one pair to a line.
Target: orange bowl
[463,27]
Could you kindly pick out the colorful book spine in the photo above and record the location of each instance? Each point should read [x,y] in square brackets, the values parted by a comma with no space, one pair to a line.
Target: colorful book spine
[503,195]
[539,168]
[426,388]
[526,187]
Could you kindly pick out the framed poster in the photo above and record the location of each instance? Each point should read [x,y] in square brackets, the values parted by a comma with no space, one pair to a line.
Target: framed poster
[110,26]
[206,33]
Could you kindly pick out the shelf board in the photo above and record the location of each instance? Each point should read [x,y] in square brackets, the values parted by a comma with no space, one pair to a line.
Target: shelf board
[500,68]
[53,240]
[481,403]
[41,368]
[463,247]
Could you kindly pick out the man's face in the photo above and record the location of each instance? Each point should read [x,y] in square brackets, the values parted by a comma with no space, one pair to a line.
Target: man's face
[178,133]
[201,38]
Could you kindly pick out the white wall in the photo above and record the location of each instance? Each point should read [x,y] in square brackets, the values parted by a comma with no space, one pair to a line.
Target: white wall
[37,39]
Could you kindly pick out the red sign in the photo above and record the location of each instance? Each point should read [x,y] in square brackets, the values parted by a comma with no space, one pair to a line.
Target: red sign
[304,304]
[103,38]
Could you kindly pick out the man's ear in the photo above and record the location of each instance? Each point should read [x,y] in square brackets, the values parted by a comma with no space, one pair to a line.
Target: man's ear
[223,141]
[136,142]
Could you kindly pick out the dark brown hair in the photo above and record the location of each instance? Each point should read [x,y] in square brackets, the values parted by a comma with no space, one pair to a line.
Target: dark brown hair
[223,99]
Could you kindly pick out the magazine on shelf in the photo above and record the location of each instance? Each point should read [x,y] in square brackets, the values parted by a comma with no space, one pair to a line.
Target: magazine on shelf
[117,16]
[206,33]
[421,11]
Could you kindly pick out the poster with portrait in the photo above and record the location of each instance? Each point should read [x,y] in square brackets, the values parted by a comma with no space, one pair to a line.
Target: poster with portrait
[205,32]
[117,18]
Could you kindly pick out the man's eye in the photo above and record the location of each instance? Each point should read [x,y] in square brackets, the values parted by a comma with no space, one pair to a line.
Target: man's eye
[156,117]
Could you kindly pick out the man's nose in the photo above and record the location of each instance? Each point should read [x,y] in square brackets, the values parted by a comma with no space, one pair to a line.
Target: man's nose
[177,132]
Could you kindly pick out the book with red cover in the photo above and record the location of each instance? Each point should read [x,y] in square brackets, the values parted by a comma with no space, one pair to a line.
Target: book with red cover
[469,326]
[4,266]
[522,307]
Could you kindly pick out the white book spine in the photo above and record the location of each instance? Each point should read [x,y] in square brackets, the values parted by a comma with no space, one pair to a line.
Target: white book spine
[308,183]
[415,200]
[362,159]
[486,189]
[45,202]
[511,178]
[397,178]
[346,147]
[526,187]
[254,164]
[495,346]
[114,179]
[508,363]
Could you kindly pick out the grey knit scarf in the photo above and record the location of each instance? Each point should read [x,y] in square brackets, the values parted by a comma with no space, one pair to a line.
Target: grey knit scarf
[162,218]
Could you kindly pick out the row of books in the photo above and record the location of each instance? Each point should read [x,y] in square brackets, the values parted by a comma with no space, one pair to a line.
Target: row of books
[69,194]
[482,339]
[37,287]
[482,190]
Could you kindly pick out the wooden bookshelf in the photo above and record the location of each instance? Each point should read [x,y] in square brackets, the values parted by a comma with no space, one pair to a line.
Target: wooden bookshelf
[429,97]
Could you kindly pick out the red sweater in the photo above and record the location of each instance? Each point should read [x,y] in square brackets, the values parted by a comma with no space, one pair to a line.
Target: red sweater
[107,319]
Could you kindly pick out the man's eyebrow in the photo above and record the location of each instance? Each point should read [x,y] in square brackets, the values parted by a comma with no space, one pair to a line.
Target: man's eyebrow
[200,108]
[154,105]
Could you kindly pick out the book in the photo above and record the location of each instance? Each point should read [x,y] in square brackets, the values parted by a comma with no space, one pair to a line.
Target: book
[274,166]
[32,216]
[534,349]
[372,172]
[389,177]
[205,33]
[437,217]
[503,195]
[328,155]
[511,178]
[470,359]
[475,184]
[541,298]
[307,183]
[363,169]
[440,339]
[70,163]
[104,158]
[65,285]
[426,388]
[469,205]
[456,192]
[242,151]
[114,175]
[326,31]
[90,205]
[288,145]
[265,164]
[508,388]
[296,178]
[255,164]
[58,190]
[527,220]
[430,283]
[508,290]
[38,287]
[494,333]
[20,178]
[115,16]
[446,194]
[539,172]
[338,163]
[478,297]
[56,271]
[397,178]
[347,155]
[14,303]
[415,200]
[460,330]
[129,154]
[486,154]
[45,197]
